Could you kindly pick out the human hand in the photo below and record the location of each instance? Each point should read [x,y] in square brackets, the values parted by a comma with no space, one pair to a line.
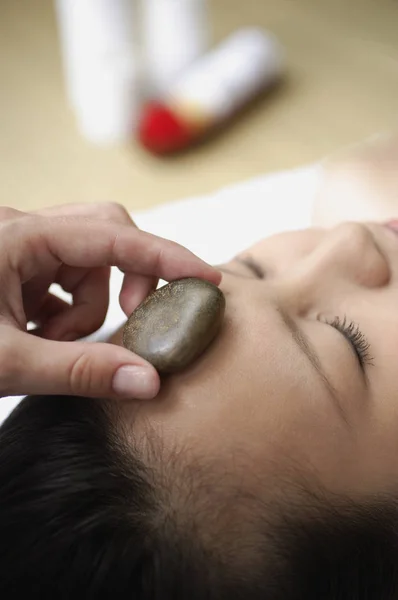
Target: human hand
[75,246]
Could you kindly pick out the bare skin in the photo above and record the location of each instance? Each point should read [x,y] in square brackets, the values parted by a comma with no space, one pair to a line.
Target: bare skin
[304,372]
[74,246]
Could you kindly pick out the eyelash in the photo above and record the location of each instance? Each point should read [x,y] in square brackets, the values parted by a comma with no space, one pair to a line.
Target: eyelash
[349,329]
[252,265]
[356,338]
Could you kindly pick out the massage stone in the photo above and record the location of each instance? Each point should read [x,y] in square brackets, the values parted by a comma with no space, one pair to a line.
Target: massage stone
[175,324]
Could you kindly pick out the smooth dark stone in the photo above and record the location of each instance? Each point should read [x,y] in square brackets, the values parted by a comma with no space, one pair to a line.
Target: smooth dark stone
[175,324]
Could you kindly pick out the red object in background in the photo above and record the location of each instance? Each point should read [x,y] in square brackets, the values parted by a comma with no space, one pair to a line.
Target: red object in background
[213,91]
[162,131]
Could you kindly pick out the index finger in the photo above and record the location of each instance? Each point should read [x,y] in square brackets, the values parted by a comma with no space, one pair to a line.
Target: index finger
[91,243]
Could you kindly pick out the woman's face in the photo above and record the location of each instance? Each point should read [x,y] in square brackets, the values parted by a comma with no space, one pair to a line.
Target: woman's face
[304,373]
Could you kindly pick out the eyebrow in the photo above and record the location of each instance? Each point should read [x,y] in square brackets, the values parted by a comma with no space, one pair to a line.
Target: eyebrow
[306,347]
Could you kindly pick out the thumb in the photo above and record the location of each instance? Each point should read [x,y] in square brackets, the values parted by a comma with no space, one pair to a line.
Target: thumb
[38,366]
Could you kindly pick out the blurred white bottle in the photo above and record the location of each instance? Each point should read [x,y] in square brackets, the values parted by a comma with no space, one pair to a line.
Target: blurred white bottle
[212,91]
[97,39]
[174,34]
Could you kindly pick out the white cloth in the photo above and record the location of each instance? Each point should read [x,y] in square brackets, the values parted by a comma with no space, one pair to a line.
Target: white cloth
[217,226]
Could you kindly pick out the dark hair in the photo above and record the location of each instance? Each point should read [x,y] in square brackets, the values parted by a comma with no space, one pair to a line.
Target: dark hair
[84,513]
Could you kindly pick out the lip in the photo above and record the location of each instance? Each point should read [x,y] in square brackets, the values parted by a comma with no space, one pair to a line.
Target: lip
[392,225]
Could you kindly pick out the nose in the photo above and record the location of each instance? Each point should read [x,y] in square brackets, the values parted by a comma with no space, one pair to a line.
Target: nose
[347,256]
[349,251]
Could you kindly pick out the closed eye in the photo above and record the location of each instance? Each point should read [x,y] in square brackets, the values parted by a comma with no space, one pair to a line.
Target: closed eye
[356,338]
[252,265]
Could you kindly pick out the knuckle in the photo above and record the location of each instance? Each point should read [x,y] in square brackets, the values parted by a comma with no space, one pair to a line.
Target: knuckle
[84,378]
[11,231]
[18,238]
[80,377]
[159,260]
[7,213]
[117,212]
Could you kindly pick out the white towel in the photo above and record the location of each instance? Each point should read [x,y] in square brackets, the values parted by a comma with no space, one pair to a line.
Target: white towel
[219,225]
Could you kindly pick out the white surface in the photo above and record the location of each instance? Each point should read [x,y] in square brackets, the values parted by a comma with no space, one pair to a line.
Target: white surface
[175,34]
[232,74]
[98,50]
[219,225]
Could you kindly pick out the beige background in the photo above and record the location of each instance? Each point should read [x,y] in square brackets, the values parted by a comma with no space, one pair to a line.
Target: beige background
[342,86]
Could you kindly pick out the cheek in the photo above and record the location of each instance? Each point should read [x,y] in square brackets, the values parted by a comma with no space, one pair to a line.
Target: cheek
[376,312]
[382,332]
[251,404]
[376,424]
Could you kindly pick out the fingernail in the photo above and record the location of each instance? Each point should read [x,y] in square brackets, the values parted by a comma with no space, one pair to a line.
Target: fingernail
[135,382]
